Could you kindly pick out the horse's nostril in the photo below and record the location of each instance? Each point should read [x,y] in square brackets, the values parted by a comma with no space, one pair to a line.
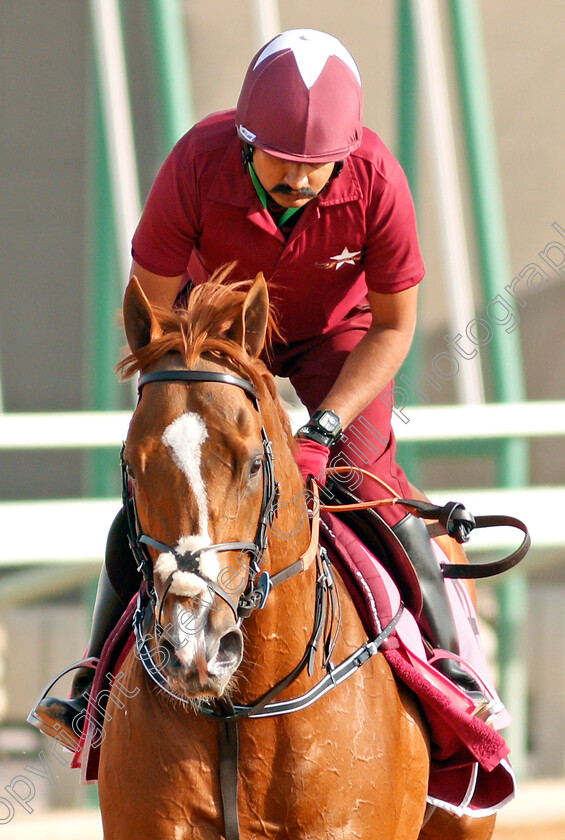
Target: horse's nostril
[167,656]
[230,648]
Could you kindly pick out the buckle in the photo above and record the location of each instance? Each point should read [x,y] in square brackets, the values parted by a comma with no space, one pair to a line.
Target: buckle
[262,589]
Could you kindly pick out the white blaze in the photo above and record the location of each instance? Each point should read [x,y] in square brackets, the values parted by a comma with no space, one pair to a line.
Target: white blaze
[184,437]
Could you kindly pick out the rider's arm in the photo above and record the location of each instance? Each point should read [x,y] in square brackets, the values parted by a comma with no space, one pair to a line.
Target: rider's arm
[377,357]
[160,290]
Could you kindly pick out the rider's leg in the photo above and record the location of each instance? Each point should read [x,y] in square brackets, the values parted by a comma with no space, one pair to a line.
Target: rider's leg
[57,715]
[369,443]
[436,619]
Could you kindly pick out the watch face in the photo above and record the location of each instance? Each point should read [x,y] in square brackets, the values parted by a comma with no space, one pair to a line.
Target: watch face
[328,421]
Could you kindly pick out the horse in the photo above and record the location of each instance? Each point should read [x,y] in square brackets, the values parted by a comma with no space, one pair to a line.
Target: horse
[217,500]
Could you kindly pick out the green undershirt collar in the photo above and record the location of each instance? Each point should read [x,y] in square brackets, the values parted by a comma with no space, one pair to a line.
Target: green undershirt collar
[261,192]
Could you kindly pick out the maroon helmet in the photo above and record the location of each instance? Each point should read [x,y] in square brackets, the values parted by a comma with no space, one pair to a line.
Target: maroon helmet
[301,99]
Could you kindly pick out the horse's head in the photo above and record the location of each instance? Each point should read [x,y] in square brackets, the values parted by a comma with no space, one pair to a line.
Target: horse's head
[200,469]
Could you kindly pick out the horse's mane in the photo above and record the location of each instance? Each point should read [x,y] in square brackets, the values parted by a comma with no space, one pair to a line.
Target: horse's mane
[201,328]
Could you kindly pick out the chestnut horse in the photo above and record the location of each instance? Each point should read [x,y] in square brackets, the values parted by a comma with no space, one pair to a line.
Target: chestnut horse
[199,458]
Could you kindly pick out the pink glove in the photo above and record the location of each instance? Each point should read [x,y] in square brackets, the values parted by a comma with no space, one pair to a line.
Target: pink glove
[312,458]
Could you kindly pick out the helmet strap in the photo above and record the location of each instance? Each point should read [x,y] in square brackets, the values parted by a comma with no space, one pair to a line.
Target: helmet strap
[246,156]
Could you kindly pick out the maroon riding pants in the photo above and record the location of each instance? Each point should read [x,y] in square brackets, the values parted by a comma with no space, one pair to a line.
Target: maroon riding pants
[312,367]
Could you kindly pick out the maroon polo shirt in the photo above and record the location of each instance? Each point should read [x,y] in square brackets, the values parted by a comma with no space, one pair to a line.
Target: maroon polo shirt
[360,232]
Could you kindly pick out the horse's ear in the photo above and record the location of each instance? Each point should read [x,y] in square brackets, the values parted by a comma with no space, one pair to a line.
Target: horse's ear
[140,323]
[250,327]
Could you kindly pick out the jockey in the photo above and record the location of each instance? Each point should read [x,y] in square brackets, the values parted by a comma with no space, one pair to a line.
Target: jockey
[290,183]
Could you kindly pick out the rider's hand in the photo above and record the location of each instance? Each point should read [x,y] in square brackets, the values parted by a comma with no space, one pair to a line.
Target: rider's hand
[312,458]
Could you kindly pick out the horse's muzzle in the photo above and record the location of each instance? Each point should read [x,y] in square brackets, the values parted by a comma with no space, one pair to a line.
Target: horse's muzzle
[201,663]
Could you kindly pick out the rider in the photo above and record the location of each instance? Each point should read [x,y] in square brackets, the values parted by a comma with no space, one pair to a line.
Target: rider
[293,185]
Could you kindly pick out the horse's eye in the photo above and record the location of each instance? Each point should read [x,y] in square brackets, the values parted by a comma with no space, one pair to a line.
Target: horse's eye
[255,466]
[130,472]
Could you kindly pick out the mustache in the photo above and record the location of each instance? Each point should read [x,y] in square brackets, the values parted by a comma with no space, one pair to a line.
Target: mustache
[303,192]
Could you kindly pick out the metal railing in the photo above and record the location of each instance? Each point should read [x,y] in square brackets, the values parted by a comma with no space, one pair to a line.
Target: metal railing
[74,530]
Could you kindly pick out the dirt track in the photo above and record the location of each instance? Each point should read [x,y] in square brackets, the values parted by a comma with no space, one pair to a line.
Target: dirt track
[553,831]
[537,813]
[88,829]
[517,821]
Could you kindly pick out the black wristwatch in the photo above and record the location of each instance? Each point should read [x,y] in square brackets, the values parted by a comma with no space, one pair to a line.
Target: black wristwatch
[324,427]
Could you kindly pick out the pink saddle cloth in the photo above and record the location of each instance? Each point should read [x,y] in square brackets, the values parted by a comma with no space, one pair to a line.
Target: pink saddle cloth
[469,772]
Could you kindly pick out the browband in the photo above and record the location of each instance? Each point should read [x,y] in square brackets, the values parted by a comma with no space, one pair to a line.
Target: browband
[195,376]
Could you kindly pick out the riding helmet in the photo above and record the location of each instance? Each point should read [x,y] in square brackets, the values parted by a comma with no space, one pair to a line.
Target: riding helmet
[301,99]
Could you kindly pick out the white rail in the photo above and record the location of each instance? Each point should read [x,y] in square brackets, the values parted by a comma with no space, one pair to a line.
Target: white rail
[74,530]
[84,430]
[480,422]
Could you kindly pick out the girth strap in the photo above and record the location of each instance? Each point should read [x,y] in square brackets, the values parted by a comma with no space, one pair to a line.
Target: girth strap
[228,754]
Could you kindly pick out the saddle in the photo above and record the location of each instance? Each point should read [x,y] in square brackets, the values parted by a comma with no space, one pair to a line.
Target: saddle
[377,536]
[469,771]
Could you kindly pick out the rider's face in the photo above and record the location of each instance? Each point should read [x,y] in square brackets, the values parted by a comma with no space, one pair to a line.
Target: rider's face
[288,183]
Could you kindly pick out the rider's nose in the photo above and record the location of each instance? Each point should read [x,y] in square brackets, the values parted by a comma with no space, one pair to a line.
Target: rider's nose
[297,177]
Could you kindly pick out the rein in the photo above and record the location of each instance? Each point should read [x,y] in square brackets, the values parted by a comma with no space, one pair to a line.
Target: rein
[453,519]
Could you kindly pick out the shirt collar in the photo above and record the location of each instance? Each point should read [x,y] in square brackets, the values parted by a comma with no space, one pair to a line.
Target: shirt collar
[234,186]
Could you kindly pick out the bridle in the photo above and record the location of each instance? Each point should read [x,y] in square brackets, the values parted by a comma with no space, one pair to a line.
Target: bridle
[258,585]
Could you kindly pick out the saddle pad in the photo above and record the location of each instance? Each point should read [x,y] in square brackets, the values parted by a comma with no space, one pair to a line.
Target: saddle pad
[469,772]
[118,645]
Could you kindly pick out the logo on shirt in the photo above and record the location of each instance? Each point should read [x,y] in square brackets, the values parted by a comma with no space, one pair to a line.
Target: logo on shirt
[346,257]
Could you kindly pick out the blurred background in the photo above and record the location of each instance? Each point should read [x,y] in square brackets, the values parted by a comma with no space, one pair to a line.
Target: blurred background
[469,96]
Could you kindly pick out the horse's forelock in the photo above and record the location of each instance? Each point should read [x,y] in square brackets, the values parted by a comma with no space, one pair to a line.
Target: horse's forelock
[201,329]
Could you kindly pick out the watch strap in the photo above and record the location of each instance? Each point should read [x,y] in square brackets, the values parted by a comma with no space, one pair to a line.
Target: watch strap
[314,433]
[314,430]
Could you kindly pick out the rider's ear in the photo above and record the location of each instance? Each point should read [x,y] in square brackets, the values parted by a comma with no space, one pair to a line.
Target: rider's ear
[250,326]
[140,323]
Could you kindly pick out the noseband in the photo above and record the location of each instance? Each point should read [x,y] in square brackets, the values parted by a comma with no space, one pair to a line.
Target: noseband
[256,591]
